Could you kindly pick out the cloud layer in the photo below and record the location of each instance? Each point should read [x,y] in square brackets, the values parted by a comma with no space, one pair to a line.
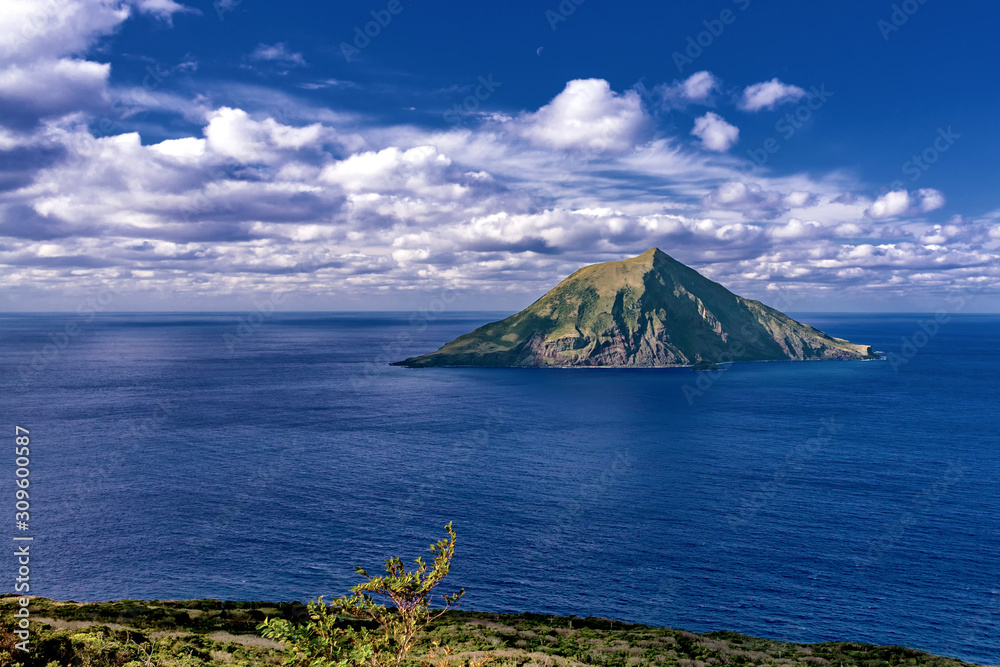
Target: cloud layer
[311,200]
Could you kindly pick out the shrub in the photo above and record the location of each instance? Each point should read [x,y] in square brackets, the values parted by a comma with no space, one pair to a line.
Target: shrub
[359,629]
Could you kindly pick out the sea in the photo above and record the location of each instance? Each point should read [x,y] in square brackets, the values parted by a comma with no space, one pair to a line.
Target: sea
[263,455]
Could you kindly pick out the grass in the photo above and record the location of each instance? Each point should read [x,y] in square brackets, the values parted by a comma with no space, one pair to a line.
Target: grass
[213,633]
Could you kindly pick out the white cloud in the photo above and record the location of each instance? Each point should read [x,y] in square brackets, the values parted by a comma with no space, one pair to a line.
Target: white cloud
[278,53]
[769,94]
[35,30]
[795,229]
[715,133]
[232,133]
[798,199]
[851,229]
[53,87]
[956,230]
[587,115]
[40,76]
[187,148]
[252,202]
[47,29]
[697,88]
[421,170]
[164,9]
[930,200]
[900,202]
[754,201]
[890,205]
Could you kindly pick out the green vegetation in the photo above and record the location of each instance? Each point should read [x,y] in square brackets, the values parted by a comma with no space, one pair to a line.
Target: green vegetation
[358,630]
[326,640]
[210,633]
[647,311]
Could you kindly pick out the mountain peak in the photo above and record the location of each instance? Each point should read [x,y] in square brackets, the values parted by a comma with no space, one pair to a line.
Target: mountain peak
[653,254]
[626,314]
[654,257]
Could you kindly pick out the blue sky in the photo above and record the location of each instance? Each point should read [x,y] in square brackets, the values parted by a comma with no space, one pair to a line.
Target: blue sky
[817,156]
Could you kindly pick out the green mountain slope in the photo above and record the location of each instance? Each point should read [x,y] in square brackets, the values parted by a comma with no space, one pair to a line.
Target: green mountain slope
[647,311]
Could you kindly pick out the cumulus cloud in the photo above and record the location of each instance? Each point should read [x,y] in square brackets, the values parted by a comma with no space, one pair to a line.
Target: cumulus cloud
[51,88]
[41,75]
[890,205]
[769,94]
[796,229]
[48,30]
[387,169]
[901,202]
[715,133]
[799,199]
[696,89]
[232,133]
[754,201]
[930,200]
[851,230]
[587,115]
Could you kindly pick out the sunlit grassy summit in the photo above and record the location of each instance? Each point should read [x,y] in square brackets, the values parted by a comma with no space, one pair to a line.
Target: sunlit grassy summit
[646,311]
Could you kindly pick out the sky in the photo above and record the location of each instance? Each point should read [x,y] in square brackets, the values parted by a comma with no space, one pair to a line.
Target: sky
[393,154]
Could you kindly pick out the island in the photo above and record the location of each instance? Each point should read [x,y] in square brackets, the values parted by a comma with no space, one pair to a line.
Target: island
[649,311]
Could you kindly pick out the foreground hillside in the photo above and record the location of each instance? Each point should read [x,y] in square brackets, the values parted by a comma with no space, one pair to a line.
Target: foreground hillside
[202,633]
[647,311]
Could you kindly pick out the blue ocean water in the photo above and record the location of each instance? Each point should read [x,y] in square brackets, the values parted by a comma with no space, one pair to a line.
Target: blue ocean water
[212,455]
